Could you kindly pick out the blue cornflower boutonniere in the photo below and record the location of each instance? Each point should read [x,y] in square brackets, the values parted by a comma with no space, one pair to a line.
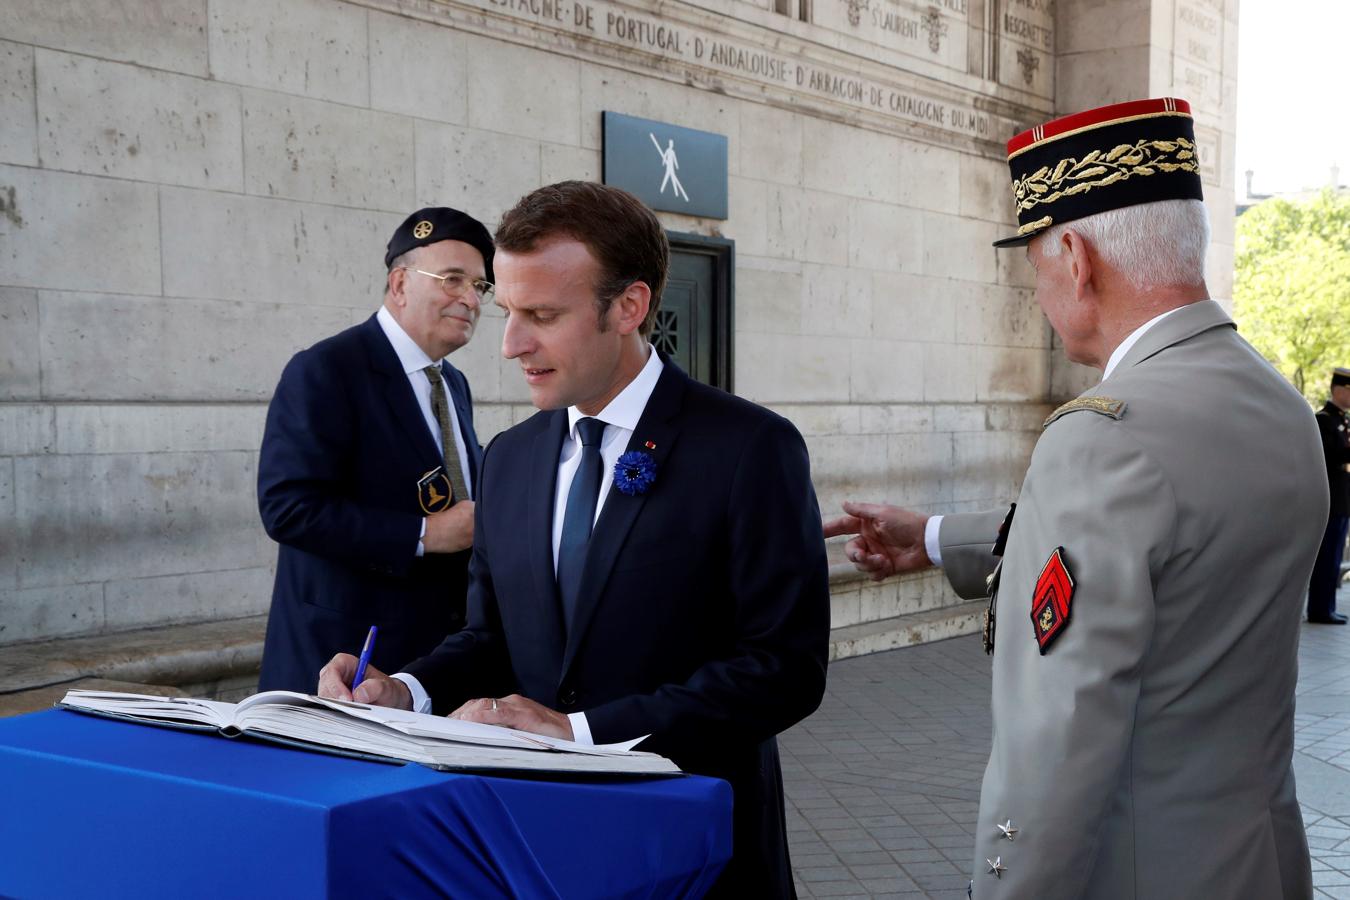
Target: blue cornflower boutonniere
[634,472]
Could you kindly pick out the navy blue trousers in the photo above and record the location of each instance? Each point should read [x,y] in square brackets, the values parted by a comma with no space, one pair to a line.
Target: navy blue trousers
[1326,573]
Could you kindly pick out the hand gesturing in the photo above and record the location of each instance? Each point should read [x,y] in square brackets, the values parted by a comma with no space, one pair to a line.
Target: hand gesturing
[888,539]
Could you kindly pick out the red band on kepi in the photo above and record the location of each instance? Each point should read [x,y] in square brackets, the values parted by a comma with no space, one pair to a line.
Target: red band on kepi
[1053,600]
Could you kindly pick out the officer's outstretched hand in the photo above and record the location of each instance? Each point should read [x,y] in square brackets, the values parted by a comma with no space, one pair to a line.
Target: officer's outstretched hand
[888,539]
[376,688]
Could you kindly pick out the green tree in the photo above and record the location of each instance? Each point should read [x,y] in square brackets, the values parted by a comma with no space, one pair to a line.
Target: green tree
[1291,292]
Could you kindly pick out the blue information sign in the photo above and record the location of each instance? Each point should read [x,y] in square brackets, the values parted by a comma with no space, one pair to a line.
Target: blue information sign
[667,166]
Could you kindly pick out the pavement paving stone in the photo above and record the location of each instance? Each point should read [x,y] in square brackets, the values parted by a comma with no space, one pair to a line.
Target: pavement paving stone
[883,782]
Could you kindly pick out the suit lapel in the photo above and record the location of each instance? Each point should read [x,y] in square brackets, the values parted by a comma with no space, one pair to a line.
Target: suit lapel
[659,426]
[398,393]
[542,491]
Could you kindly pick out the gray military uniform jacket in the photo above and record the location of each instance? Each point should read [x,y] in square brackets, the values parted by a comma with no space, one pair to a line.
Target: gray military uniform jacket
[1147,753]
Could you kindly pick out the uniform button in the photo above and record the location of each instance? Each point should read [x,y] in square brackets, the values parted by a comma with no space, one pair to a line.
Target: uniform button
[567,697]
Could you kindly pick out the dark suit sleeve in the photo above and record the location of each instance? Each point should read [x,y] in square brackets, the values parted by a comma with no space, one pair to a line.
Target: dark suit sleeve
[472,662]
[773,673]
[304,470]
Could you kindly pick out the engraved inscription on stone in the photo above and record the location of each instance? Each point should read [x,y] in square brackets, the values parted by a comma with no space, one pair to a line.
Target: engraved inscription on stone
[757,63]
[1197,52]
[1207,144]
[935,31]
[938,31]
[1030,22]
[1199,34]
[1026,35]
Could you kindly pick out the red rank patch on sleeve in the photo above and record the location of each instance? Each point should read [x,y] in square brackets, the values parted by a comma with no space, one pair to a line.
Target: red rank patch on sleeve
[1051,603]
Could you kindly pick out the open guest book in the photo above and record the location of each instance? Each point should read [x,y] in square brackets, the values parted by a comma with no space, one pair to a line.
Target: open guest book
[391,735]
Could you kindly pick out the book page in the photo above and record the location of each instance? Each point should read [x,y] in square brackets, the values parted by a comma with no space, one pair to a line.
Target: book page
[189,710]
[423,725]
[395,734]
[401,720]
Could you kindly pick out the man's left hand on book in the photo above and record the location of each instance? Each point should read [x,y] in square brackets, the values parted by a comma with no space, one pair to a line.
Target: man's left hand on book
[376,688]
[520,713]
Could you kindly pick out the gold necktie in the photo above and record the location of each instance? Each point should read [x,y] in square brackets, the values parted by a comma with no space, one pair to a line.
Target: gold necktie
[440,408]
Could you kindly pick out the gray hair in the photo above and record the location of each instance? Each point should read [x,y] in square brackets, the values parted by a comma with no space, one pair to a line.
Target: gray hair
[1151,244]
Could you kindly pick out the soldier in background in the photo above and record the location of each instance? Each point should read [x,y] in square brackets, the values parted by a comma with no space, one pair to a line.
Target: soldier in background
[1334,426]
[1145,618]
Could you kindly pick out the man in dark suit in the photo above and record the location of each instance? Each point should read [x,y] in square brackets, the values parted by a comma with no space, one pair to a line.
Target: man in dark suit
[370,461]
[1334,426]
[648,558]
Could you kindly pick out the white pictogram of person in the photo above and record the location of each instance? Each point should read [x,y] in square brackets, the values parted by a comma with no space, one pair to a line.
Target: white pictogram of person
[671,164]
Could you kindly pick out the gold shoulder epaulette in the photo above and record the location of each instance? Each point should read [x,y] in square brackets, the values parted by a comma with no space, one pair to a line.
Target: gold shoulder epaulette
[1102,406]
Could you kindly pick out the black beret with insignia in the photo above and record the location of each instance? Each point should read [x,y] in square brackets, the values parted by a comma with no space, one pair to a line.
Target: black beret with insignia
[440,223]
[1105,158]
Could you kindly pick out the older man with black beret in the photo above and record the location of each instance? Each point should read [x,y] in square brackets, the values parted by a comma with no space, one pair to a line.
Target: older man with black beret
[369,464]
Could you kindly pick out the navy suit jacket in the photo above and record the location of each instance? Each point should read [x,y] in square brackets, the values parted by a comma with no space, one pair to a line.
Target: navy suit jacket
[703,617]
[344,447]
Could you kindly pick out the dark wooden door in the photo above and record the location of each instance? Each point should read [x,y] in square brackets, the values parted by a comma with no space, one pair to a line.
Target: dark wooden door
[693,325]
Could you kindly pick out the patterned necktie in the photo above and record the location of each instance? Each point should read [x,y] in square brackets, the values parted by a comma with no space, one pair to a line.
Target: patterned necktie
[440,408]
[579,516]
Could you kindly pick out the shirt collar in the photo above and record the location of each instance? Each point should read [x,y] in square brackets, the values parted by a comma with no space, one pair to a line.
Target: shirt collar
[412,357]
[625,409]
[1119,353]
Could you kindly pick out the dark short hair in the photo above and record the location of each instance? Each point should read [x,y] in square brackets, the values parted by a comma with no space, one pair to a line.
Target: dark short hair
[619,230]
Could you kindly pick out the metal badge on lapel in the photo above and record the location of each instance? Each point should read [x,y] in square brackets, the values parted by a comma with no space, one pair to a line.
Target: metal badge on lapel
[434,491]
[1050,605]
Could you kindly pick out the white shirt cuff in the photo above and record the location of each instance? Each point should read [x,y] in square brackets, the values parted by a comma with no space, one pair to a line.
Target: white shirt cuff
[420,549]
[581,730]
[421,700]
[931,543]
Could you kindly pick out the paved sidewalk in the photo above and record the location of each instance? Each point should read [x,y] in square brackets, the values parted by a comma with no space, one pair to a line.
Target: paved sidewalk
[883,782]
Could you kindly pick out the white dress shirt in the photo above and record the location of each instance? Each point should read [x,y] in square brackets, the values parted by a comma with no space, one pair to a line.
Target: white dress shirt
[931,541]
[621,419]
[414,360]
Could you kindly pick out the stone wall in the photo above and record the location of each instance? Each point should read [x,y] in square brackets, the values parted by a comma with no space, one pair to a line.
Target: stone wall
[192,190]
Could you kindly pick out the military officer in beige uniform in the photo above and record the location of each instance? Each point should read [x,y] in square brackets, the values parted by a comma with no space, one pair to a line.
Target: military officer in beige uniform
[1148,584]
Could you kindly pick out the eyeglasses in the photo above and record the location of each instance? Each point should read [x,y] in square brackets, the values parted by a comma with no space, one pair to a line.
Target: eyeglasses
[457,284]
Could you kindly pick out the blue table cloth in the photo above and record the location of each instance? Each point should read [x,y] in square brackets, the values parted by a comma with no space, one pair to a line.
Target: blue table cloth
[93,807]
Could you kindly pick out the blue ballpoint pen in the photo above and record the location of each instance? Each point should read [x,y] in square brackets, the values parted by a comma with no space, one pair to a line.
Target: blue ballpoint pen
[365,656]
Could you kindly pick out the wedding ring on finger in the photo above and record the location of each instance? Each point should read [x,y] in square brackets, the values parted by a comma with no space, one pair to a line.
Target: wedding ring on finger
[494,704]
